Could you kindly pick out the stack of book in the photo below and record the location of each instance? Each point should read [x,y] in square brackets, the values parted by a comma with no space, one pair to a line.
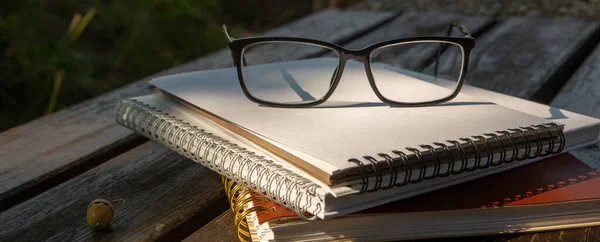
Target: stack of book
[354,168]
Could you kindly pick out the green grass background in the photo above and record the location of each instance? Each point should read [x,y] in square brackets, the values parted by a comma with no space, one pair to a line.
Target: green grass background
[125,40]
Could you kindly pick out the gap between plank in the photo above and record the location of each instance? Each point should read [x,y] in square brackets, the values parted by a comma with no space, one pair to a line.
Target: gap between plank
[566,70]
[43,184]
[484,29]
[365,31]
[353,37]
[196,222]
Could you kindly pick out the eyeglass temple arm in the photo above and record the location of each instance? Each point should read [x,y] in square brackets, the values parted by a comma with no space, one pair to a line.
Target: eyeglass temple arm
[460,27]
[452,26]
[230,39]
[226,33]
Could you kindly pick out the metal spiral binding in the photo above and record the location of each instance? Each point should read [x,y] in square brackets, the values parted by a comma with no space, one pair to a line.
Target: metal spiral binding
[475,151]
[422,165]
[482,151]
[451,161]
[501,147]
[228,159]
[244,204]
[437,165]
[239,199]
[463,156]
[489,161]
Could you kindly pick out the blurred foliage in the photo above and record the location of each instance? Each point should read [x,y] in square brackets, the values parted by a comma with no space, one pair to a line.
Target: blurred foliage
[125,41]
[55,53]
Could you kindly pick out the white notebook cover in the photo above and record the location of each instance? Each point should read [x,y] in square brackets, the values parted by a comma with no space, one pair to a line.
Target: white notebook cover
[351,124]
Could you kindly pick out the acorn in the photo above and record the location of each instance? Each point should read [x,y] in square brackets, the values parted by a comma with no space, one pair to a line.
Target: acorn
[99,214]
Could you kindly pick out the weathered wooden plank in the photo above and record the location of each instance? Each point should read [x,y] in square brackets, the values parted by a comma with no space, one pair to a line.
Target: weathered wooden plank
[165,195]
[580,96]
[520,58]
[219,229]
[593,234]
[557,235]
[416,24]
[330,25]
[580,234]
[581,93]
[528,237]
[530,57]
[49,150]
[569,235]
[420,24]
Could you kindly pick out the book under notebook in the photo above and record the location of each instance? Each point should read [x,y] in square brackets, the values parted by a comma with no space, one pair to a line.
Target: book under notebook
[353,127]
[556,193]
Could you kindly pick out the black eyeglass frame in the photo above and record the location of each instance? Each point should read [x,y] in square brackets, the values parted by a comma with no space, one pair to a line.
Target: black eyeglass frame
[466,43]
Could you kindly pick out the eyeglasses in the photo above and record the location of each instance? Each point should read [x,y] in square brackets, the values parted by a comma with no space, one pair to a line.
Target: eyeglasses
[432,69]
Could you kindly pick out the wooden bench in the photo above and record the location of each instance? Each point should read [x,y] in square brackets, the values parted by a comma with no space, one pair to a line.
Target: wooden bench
[52,167]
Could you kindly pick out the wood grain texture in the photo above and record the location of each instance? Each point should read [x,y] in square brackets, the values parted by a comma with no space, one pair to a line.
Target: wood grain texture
[593,234]
[568,235]
[50,146]
[415,56]
[521,56]
[330,25]
[581,93]
[219,229]
[419,24]
[162,191]
[589,155]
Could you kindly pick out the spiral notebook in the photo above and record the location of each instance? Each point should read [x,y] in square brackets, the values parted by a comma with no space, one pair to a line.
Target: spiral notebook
[557,193]
[204,116]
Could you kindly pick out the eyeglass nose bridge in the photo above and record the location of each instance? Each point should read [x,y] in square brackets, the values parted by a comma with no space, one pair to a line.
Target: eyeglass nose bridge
[354,54]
